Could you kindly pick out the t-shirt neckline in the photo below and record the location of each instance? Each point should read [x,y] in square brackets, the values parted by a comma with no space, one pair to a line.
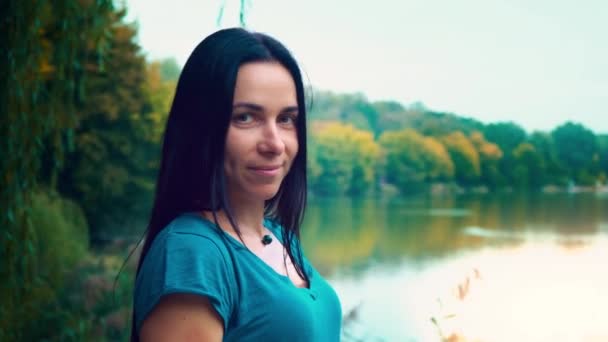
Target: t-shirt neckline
[268,224]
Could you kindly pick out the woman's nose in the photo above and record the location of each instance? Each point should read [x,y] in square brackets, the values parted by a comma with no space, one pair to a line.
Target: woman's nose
[271,141]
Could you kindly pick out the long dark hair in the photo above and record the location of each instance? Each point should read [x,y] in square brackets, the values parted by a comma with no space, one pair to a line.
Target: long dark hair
[191,176]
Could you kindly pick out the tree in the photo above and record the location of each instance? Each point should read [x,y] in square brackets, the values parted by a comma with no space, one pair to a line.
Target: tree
[42,75]
[404,165]
[344,159]
[489,158]
[602,141]
[576,148]
[160,91]
[390,116]
[439,165]
[439,124]
[353,109]
[111,171]
[507,135]
[412,160]
[545,147]
[465,158]
[528,167]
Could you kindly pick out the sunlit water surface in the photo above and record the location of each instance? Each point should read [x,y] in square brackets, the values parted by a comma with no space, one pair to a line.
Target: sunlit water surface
[471,276]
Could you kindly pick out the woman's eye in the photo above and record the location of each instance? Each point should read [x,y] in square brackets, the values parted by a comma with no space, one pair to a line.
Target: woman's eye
[242,118]
[288,119]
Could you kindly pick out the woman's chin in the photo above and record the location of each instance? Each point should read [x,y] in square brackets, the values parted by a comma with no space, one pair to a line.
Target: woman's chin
[266,192]
[270,195]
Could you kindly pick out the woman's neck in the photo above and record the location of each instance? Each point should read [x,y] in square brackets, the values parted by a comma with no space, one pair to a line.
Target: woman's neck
[247,215]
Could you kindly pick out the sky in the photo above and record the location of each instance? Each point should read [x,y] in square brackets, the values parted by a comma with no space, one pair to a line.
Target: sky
[538,63]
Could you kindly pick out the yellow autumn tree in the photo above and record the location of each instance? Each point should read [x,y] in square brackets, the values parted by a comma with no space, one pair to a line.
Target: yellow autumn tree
[465,157]
[343,159]
[489,160]
[412,160]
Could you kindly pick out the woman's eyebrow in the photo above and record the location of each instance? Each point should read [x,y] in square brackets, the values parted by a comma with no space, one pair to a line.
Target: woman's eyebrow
[256,107]
[290,109]
[248,105]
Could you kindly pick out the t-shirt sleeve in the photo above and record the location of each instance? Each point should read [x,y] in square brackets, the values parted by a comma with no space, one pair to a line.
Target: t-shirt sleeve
[184,263]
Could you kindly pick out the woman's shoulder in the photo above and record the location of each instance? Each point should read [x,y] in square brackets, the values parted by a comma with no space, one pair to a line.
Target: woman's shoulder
[187,240]
[188,256]
[188,229]
[188,236]
[193,224]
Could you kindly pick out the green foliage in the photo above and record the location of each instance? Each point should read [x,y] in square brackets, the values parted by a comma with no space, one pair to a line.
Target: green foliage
[58,222]
[382,116]
[544,145]
[42,75]
[412,160]
[351,108]
[465,158]
[391,116]
[72,295]
[507,135]
[489,158]
[528,167]
[602,142]
[343,160]
[160,91]
[111,171]
[576,148]
[58,242]
[437,160]
[478,154]
[437,124]
[404,165]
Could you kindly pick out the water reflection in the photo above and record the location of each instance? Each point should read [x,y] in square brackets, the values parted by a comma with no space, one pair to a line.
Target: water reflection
[485,268]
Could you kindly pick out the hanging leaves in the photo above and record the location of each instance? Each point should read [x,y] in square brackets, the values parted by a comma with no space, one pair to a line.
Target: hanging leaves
[42,76]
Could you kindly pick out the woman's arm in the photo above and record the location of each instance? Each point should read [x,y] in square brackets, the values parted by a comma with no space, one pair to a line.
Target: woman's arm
[182,318]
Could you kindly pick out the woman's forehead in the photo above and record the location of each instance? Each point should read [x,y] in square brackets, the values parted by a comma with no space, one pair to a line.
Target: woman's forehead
[265,84]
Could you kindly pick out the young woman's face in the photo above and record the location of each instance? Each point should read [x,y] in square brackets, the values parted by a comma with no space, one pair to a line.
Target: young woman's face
[262,138]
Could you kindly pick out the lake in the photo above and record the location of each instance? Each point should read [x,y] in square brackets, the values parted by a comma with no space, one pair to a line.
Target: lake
[479,267]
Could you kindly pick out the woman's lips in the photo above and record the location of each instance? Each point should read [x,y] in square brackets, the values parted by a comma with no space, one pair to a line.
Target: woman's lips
[268,171]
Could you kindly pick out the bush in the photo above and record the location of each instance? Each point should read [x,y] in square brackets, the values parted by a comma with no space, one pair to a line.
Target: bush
[59,241]
[61,235]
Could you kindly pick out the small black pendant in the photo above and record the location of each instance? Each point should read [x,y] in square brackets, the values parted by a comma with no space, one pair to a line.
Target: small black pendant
[266,240]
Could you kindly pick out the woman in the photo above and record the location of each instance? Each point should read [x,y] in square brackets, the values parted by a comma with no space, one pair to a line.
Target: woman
[222,258]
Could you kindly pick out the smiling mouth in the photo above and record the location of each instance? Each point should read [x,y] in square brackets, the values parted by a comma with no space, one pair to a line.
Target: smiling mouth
[271,170]
[265,167]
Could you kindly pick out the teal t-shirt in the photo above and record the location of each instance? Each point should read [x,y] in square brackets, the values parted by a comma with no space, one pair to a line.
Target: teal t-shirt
[192,255]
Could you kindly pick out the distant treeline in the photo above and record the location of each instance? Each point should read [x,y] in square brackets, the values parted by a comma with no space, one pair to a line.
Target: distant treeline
[357,146]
